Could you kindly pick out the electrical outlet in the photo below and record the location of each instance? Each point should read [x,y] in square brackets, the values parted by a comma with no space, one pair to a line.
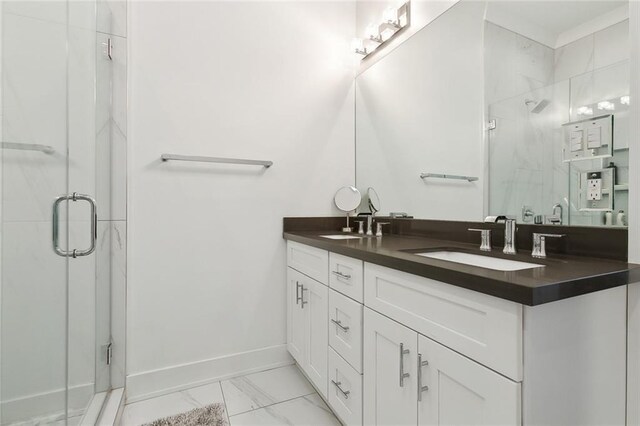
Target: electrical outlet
[594,189]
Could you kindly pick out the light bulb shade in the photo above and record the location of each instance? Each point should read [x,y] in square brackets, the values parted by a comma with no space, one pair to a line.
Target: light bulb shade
[371,32]
[357,44]
[585,110]
[390,15]
[606,105]
[625,100]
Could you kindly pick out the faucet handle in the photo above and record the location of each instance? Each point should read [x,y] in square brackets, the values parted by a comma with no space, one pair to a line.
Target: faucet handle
[485,234]
[379,228]
[539,244]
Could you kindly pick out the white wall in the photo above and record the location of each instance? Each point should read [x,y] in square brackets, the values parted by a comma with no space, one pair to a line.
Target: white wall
[262,80]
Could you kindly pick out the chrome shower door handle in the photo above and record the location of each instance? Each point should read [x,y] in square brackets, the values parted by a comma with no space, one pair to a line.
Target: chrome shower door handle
[56,231]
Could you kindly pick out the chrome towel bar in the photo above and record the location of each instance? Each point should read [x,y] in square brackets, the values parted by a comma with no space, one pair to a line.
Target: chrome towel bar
[27,147]
[176,157]
[442,176]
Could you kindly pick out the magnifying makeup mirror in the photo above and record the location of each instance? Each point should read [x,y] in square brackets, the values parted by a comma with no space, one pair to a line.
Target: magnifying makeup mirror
[347,199]
[373,201]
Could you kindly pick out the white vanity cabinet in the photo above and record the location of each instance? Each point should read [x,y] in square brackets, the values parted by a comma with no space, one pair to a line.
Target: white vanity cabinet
[390,356]
[390,348]
[410,379]
[455,390]
[307,318]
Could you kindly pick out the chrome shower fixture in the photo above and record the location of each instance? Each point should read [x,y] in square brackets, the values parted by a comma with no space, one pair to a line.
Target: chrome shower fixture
[538,106]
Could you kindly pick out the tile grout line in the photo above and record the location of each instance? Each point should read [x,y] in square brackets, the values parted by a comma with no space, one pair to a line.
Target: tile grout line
[275,403]
[224,401]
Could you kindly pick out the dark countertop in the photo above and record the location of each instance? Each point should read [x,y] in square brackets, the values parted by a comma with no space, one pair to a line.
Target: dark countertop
[562,277]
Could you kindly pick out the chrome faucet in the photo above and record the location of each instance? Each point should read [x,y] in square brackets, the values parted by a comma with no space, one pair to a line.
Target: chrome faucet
[509,236]
[555,218]
[539,244]
[370,225]
[485,236]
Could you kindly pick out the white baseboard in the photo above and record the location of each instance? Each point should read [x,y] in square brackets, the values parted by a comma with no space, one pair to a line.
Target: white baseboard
[153,383]
[47,406]
[112,409]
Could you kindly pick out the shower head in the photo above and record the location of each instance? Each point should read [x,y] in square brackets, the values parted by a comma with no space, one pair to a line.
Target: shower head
[538,106]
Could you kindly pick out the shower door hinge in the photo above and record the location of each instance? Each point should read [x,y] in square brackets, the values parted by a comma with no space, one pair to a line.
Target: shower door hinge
[108,49]
[492,125]
[109,353]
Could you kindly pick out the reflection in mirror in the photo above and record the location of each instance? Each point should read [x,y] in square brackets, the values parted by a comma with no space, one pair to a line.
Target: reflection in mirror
[347,199]
[557,98]
[419,110]
[373,201]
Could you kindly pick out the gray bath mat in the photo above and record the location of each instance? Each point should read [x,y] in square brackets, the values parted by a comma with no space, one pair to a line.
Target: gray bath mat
[213,415]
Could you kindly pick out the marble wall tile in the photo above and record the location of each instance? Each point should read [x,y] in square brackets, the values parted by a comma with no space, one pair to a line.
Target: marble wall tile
[81,114]
[534,64]
[574,58]
[612,82]
[112,17]
[514,64]
[118,300]
[611,45]
[103,303]
[34,111]
[33,311]
[119,130]
[48,11]
[500,67]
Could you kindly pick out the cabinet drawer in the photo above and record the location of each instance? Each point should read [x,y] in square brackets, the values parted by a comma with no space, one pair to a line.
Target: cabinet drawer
[310,261]
[345,390]
[345,328]
[345,275]
[484,328]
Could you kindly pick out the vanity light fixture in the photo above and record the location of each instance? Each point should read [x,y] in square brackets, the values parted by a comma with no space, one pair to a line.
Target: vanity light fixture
[373,33]
[394,19]
[606,105]
[357,46]
[625,100]
[585,110]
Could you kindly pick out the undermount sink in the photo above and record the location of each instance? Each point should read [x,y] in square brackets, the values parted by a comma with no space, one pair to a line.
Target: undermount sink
[341,237]
[487,262]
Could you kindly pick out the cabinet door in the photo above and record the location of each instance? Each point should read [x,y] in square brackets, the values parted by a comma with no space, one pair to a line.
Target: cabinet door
[315,304]
[295,317]
[390,356]
[459,391]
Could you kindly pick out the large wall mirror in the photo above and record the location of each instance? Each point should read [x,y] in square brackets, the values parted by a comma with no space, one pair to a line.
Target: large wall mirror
[502,108]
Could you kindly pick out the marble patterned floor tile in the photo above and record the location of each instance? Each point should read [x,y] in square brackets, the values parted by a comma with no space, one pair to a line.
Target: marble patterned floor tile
[168,405]
[303,411]
[265,388]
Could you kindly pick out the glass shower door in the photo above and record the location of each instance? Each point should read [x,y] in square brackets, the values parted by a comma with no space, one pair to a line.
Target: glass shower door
[51,363]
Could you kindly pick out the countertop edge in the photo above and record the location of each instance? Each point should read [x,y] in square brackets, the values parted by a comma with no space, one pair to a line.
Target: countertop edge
[503,290]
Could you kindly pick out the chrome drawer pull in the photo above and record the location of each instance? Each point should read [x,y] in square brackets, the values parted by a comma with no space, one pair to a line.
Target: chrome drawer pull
[403,375]
[302,301]
[421,388]
[337,385]
[341,275]
[339,324]
[298,298]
